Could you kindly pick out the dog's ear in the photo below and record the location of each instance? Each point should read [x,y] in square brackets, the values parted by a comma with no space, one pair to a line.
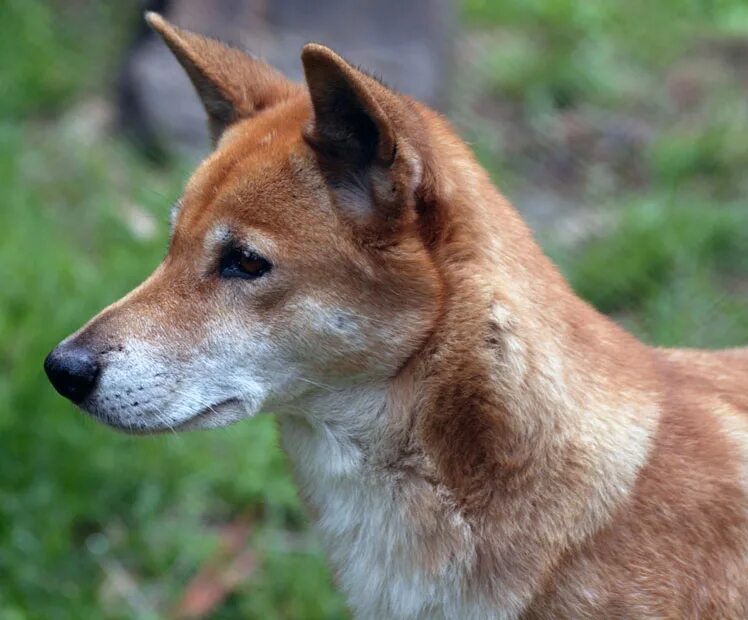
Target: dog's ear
[230,83]
[364,136]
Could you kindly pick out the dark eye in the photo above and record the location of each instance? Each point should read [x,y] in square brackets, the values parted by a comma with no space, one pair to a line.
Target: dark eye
[238,263]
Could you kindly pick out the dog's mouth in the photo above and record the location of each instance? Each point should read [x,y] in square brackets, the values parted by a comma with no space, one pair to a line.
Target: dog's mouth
[209,416]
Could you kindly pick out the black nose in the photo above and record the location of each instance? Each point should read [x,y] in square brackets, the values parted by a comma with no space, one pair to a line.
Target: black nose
[72,369]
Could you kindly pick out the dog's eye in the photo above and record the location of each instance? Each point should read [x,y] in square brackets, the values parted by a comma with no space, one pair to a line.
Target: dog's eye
[236,263]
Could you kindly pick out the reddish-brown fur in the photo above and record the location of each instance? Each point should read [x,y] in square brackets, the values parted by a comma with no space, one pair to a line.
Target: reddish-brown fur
[599,477]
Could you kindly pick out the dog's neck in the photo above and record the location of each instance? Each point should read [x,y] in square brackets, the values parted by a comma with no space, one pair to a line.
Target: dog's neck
[522,396]
[428,481]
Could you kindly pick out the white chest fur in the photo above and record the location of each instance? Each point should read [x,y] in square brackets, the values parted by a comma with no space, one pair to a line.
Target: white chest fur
[388,562]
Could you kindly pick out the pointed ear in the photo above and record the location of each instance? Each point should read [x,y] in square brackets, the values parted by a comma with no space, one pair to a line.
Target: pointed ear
[348,118]
[230,83]
[364,133]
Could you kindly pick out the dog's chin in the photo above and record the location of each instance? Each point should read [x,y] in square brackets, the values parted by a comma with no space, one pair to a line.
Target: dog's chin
[221,414]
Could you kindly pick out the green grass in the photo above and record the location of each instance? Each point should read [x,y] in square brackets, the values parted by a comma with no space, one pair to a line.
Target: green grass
[670,271]
[98,525]
[48,54]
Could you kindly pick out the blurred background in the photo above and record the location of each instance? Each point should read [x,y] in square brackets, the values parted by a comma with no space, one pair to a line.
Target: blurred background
[618,128]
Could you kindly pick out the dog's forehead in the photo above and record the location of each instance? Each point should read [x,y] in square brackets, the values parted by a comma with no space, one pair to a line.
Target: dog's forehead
[262,174]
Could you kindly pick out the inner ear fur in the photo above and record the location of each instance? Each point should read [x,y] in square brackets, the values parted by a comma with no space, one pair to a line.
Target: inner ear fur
[348,116]
[366,135]
[231,84]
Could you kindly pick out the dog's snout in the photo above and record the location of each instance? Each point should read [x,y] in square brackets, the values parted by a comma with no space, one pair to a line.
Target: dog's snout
[72,370]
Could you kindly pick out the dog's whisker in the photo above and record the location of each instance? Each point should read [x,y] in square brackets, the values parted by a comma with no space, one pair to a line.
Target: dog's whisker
[196,400]
[328,388]
[164,419]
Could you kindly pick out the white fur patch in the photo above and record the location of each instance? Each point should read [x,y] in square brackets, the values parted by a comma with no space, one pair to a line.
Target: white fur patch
[369,536]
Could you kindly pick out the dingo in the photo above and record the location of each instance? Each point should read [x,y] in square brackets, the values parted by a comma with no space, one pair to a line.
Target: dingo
[473,439]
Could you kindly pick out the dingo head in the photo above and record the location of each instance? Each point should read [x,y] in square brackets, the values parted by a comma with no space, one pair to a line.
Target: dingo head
[298,259]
